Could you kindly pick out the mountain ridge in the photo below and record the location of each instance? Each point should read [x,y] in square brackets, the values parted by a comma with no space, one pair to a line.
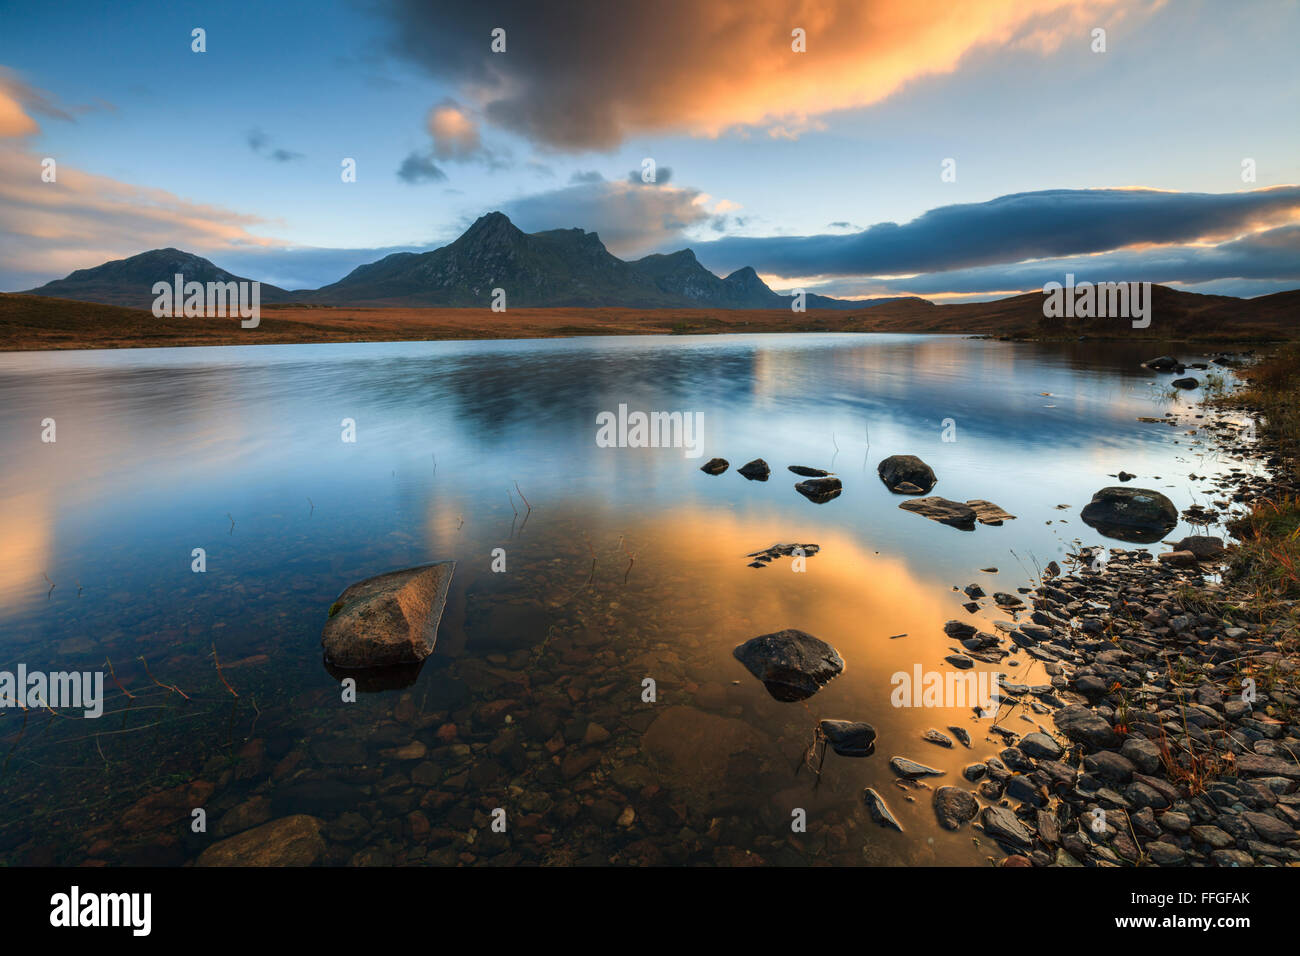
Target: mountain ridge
[554,268]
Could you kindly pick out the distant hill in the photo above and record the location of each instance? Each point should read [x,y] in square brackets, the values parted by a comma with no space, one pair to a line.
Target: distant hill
[559,268]
[40,322]
[129,282]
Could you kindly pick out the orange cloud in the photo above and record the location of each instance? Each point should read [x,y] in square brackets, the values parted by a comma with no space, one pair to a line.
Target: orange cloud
[594,73]
[82,219]
[14,120]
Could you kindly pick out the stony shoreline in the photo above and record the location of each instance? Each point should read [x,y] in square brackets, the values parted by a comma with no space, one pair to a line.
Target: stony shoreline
[1178,727]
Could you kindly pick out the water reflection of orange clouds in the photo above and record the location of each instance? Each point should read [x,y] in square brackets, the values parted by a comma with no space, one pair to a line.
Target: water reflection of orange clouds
[781,372]
[25,546]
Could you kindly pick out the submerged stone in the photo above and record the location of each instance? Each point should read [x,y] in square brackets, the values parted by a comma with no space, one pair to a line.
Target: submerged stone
[289,841]
[389,619]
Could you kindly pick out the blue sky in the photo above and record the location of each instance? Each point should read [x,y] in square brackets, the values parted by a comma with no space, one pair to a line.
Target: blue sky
[235,153]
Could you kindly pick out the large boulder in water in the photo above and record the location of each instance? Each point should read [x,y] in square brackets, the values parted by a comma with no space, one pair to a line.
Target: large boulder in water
[1131,514]
[791,664]
[897,471]
[388,619]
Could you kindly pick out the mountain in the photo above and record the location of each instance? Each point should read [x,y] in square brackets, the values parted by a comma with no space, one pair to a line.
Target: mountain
[562,267]
[557,268]
[129,282]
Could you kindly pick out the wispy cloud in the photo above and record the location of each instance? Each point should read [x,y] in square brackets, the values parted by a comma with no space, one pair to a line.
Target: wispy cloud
[260,143]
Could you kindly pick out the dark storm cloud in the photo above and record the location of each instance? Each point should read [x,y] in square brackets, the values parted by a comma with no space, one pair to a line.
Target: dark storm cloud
[1037,225]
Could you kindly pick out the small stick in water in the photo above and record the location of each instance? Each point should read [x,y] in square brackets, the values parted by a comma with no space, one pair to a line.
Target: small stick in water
[216,660]
[113,674]
[160,683]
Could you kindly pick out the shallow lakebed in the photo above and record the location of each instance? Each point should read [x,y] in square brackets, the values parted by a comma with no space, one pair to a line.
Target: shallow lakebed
[621,566]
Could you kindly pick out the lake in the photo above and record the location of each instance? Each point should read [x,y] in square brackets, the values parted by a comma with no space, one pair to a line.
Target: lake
[625,577]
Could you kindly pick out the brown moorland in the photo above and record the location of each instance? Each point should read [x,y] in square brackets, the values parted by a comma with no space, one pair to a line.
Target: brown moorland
[39,323]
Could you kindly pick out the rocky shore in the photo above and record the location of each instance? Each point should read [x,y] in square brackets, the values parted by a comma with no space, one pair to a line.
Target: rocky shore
[1176,703]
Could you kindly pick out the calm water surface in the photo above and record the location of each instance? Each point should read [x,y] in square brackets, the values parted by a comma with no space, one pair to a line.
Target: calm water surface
[631,564]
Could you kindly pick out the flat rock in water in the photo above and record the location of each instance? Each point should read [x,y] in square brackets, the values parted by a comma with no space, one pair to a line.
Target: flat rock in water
[937,737]
[953,513]
[289,841]
[849,738]
[1139,515]
[911,770]
[954,806]
[797,551]
[819,490]
[714,466]
[986,512]
[756,470]
[1184,383]
[806,472]
[879,810]
[792,664]
[1001,824]
[388,620]
[898,470]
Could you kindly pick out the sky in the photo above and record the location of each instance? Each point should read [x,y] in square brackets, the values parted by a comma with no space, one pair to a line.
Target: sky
[955,150]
